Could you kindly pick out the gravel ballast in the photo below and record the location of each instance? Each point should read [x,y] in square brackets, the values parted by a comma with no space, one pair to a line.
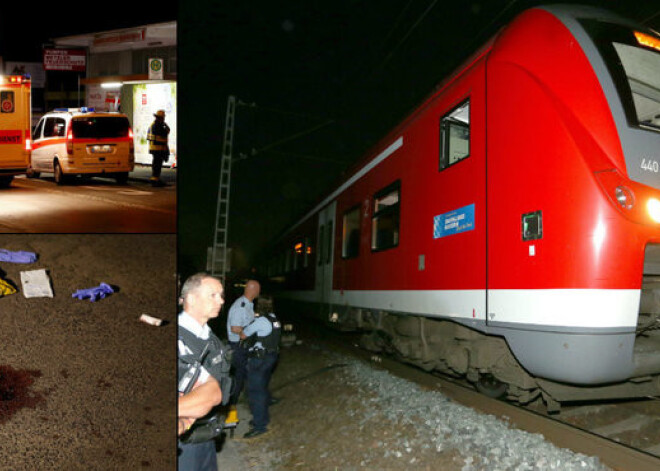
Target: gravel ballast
[340,413]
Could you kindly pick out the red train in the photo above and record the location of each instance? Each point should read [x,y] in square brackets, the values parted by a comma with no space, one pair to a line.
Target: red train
[508,230]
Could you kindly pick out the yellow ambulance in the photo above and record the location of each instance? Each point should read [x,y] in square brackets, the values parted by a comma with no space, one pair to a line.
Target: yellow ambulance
[15,116]
[81,141]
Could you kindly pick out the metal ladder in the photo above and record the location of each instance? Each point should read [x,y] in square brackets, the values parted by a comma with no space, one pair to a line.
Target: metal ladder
[219,256]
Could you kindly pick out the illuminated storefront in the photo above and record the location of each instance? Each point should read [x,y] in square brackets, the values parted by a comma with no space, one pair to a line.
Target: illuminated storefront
[120,77]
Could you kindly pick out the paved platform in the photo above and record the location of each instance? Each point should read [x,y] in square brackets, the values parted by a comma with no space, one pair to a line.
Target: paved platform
[143,173]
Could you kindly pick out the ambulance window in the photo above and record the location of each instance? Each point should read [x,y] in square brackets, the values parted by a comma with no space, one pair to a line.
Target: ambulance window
[100,127]
[351,233]
[455,135]
[55,127]
[40,127]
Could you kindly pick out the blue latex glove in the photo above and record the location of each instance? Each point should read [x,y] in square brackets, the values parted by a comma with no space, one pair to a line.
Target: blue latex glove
[17,257]
[98,292]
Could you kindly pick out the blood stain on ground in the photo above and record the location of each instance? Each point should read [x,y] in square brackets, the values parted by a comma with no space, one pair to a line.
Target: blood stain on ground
[15,391]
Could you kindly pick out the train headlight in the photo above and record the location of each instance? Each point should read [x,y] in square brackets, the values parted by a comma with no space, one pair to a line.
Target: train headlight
[653,207]
[624,197]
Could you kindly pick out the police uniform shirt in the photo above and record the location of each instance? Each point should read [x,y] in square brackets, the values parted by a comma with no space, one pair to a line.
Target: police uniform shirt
[260,326]
[240,315]
[199,331]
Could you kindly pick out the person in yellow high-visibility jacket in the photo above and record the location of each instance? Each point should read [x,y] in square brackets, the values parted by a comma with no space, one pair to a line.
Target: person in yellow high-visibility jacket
[158,148]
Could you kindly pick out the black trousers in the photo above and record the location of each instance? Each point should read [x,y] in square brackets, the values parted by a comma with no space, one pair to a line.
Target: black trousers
[157,163]
[239,365]
[198,457]
[259,373]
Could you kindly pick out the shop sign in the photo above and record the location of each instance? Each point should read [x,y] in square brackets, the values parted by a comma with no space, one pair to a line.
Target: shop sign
[73,60]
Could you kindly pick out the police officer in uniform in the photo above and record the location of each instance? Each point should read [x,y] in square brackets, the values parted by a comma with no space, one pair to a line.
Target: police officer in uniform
[203,371]
[157,136]
[240,315]
[262,338]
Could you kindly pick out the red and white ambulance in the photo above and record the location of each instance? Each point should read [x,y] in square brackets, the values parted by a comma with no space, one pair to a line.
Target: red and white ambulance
[81,141]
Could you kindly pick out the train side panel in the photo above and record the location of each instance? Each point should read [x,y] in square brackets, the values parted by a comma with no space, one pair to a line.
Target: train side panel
[428,271]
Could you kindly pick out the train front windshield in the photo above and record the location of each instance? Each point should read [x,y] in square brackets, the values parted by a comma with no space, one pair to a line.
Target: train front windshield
[633,60]
[642,69]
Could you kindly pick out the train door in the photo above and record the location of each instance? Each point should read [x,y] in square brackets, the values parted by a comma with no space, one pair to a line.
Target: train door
[326,230]
[451,201]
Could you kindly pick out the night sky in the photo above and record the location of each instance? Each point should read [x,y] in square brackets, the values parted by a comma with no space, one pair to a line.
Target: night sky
[25,27]
[350,69]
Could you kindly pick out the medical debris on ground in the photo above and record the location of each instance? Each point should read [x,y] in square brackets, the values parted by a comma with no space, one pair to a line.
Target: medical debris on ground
[37,284]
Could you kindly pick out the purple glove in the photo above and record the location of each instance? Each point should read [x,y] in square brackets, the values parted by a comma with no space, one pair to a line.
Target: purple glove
[98,292]
[17,257]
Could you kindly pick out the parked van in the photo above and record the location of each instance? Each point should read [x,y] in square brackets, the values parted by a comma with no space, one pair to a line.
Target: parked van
[80,141]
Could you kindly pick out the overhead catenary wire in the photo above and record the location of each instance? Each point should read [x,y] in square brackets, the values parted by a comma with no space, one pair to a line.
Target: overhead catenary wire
[292,137]
[652,17]
[277,110]
[304,157]
[404,38]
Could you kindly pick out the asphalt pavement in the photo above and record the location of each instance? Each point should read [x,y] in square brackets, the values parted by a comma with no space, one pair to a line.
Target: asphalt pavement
[143,173]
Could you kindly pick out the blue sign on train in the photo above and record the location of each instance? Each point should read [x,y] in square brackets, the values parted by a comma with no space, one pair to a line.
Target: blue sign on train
[454,222]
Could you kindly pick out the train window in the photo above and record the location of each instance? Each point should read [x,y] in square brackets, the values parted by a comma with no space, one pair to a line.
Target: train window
[329,242]
[298,254]
[642,69]
[321,244]
[455,135]
[287,267]
[351,233]
[633,60]
[308,252]
[385,219]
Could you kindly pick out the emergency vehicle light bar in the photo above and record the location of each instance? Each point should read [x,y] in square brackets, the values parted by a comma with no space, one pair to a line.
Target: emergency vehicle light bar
[84,109]
[17,79]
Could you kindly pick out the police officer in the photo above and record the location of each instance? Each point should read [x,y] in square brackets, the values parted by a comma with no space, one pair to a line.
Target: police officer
[202,376]
[262,338]
[240,315]
[157,136]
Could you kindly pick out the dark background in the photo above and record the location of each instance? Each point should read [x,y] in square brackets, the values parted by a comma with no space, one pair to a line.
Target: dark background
[26,26]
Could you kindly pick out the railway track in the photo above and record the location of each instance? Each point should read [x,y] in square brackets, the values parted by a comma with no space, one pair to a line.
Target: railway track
[623,435]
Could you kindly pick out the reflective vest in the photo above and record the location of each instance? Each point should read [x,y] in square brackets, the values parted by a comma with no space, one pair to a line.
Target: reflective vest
[157,137]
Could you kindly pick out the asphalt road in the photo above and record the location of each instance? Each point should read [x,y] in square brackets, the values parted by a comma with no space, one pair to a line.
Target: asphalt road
[94,205]
[102,381]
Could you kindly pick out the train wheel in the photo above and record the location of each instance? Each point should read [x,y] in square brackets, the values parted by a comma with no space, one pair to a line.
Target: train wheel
[490,386]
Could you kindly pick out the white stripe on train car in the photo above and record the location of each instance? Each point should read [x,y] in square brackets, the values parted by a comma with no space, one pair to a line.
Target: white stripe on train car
[568,308]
